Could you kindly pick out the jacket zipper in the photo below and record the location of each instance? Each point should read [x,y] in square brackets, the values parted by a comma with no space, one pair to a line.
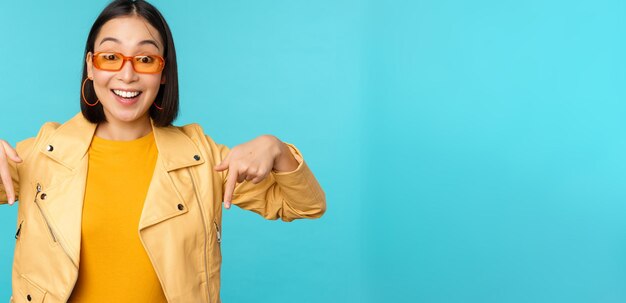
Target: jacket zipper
[54,238]
[206,230]
[52,233]
[19,229]
[219,234]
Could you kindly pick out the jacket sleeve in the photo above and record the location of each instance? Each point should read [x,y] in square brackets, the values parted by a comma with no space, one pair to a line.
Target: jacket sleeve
[22,148]
[286,195]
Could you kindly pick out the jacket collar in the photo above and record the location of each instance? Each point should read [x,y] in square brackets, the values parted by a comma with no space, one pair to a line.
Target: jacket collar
[70,142]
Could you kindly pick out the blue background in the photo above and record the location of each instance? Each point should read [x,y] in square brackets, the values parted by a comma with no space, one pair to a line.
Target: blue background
[471,151]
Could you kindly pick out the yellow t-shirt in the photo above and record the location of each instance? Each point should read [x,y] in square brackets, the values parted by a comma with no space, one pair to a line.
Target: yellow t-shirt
[114,266]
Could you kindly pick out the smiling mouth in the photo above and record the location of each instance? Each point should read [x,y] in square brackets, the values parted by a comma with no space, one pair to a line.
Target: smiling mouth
[126,94]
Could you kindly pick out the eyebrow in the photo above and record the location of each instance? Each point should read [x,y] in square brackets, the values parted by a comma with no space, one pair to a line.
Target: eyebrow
[144,42]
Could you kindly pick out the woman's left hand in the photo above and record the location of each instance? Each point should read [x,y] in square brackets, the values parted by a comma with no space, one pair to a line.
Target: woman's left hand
[254,161]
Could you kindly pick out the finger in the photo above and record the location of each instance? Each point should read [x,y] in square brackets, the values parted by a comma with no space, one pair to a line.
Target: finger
[224,164]
[252,173]
[5,176]
[242,177]
[11,153]
[259,178]
[262,175]
[229,188]
[243,170]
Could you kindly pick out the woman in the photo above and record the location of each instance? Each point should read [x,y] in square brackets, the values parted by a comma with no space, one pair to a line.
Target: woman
[118,205]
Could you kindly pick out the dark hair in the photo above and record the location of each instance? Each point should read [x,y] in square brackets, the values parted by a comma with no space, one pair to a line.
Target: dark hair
[167,97]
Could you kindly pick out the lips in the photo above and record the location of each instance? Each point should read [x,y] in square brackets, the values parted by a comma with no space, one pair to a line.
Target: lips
[128,94]
[126,97]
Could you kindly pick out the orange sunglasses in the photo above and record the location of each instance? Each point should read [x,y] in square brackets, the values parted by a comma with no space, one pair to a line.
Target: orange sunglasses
[113,62]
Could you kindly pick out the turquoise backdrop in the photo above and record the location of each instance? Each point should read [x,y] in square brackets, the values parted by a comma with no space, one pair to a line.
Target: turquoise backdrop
[471,151]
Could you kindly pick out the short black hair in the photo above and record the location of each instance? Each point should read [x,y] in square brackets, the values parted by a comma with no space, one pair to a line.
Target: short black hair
[167,97]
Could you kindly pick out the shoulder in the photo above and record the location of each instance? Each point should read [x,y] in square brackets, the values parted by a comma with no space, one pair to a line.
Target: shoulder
[195,132]
[203,141]
[76,131]
[47,128]
[192,130]
[25,146]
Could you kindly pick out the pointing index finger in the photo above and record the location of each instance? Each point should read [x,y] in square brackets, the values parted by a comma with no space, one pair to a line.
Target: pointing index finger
[10,152]
[224,164]
[229,188]
[5,176]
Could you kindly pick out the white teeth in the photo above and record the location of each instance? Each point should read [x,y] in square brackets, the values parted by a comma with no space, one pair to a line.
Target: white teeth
[125,94]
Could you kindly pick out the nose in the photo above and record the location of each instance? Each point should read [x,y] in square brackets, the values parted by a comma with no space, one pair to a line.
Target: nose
[127,74]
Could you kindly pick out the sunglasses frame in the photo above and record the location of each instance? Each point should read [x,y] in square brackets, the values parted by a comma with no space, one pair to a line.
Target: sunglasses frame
[127,58]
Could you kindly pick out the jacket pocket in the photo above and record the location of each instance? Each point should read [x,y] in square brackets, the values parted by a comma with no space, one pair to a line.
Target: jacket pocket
[29,292]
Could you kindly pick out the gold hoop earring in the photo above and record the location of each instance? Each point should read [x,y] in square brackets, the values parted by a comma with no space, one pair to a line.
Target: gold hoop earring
[82,91]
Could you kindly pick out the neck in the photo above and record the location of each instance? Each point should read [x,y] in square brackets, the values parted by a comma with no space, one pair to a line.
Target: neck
[124,131]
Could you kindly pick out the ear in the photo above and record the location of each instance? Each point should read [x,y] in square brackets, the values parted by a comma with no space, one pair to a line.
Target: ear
[89,63]
[162,79]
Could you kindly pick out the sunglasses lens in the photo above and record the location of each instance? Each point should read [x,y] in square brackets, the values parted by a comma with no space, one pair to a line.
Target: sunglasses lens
[115,61]
[108,61]
[148,64]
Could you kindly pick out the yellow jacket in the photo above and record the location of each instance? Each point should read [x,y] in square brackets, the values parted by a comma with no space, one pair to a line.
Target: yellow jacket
[181,218]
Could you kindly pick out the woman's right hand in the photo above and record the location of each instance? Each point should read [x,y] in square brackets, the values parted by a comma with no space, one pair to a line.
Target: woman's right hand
[7,153]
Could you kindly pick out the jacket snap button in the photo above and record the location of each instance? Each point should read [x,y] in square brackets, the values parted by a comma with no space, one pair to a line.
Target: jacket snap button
[43,196]
[50,148]
[196,157]
[180,207]
[28,298]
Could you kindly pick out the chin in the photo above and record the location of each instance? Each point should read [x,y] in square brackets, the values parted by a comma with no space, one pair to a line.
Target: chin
[126,115]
